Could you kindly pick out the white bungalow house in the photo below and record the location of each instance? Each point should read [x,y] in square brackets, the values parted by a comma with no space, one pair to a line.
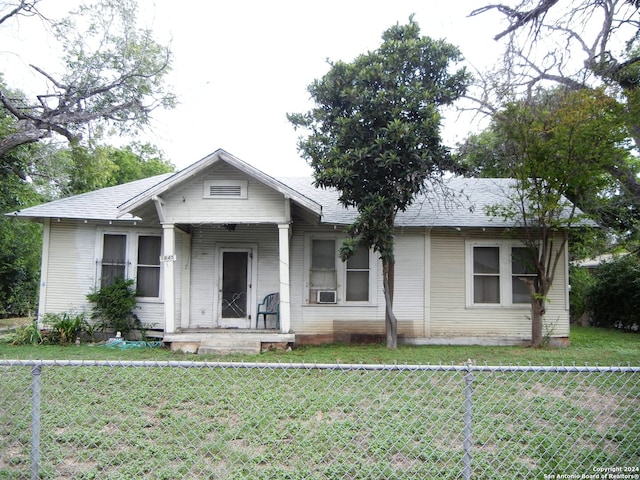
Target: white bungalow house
[207,244]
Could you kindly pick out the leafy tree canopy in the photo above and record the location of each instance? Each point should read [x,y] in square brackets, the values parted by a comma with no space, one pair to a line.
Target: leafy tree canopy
[581,45]
[112,76]
[106,166]
[374,135]
[558,145]
[573,140]
[375,130]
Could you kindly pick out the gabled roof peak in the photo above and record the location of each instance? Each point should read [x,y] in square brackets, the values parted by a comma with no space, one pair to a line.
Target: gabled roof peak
[203,164]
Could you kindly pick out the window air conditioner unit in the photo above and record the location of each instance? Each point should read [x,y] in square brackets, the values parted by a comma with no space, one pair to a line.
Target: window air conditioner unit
[327,296]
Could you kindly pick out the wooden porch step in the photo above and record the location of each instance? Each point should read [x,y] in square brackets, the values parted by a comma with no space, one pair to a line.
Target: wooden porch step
[227,345]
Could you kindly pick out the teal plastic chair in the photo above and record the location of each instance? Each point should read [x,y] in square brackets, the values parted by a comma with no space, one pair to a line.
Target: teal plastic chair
[270,305]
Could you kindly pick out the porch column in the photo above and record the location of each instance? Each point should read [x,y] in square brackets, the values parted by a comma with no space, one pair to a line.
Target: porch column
[168,258]
[285,294]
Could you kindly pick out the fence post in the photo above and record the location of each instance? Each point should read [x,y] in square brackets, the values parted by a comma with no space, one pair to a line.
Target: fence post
[468,421]
[36,385]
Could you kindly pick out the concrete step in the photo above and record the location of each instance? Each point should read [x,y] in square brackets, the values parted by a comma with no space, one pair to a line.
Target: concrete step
[206,335]
[227,345]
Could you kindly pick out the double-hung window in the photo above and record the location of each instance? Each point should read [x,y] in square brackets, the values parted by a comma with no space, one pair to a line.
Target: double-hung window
[522,272]
[498,273]
[323,275]
[148,272]
[357,289]
[486,275]
[131,256]
[332,281]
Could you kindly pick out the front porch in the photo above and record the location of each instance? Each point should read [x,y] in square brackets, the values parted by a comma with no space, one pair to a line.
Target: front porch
[226,341]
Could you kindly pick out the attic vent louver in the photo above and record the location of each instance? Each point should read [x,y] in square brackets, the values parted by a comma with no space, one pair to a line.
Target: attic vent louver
[225,189]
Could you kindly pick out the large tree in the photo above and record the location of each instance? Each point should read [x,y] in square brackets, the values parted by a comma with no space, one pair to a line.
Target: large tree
[105,166]
[602,142]
[20,242]
[556,146]
[374,135]
[580,45]
[112,76]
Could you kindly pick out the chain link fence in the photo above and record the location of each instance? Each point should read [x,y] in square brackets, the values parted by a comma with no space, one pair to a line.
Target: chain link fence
[168,420]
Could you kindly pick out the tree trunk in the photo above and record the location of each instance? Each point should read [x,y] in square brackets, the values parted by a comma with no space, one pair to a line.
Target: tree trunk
[537,314]
[391,322]
[537,311]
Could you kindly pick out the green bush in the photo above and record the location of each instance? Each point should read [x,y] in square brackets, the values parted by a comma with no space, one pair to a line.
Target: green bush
[26,335]
[114,305]
[581,282]
[64,327]
[614,298]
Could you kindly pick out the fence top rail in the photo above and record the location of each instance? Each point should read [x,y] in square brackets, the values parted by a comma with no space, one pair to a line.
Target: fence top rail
[467,367]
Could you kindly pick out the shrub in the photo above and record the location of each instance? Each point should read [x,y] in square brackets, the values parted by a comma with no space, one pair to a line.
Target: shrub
[614,298]
[114,305]
[581,283]
[65,327]
[27,335]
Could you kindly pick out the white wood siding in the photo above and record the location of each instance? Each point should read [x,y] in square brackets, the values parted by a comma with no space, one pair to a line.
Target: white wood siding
[430,294]
[72,269]
[186,204]
[450,315]
[316,319]
[365,319]
[409,291]
[205,240]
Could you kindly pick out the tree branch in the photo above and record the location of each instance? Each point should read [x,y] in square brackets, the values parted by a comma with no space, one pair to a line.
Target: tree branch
[521,18]
[25,7]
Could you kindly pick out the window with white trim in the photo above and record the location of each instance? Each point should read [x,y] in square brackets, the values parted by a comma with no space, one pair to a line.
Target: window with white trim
[357,288]
[148,271]
[132,255]
[331,281]
[322,276]
[486,275]
[497,273]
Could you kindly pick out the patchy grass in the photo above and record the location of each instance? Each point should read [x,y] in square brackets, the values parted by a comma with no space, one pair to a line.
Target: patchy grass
[589,346]
[115,422]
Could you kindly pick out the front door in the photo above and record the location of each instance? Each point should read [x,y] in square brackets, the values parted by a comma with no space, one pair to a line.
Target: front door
[235,291]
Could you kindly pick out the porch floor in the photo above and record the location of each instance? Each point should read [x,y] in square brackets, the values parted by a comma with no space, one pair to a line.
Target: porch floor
[225,341]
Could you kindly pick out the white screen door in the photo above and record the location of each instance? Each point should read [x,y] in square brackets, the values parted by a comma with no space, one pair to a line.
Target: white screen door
[235,288]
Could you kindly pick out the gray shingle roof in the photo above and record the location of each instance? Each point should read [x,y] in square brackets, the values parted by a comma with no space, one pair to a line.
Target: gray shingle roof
[457,202]
[98,205]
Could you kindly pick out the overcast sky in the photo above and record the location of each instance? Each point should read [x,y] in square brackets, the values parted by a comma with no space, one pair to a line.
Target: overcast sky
[240,66]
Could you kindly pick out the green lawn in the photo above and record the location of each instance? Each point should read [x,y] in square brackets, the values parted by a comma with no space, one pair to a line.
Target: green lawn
[111,422]
[589,346]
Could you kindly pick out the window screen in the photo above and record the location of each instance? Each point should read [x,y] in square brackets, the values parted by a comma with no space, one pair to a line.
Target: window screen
[522,271]
[149,249]
[486,275]
[358,276]
[114,250]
